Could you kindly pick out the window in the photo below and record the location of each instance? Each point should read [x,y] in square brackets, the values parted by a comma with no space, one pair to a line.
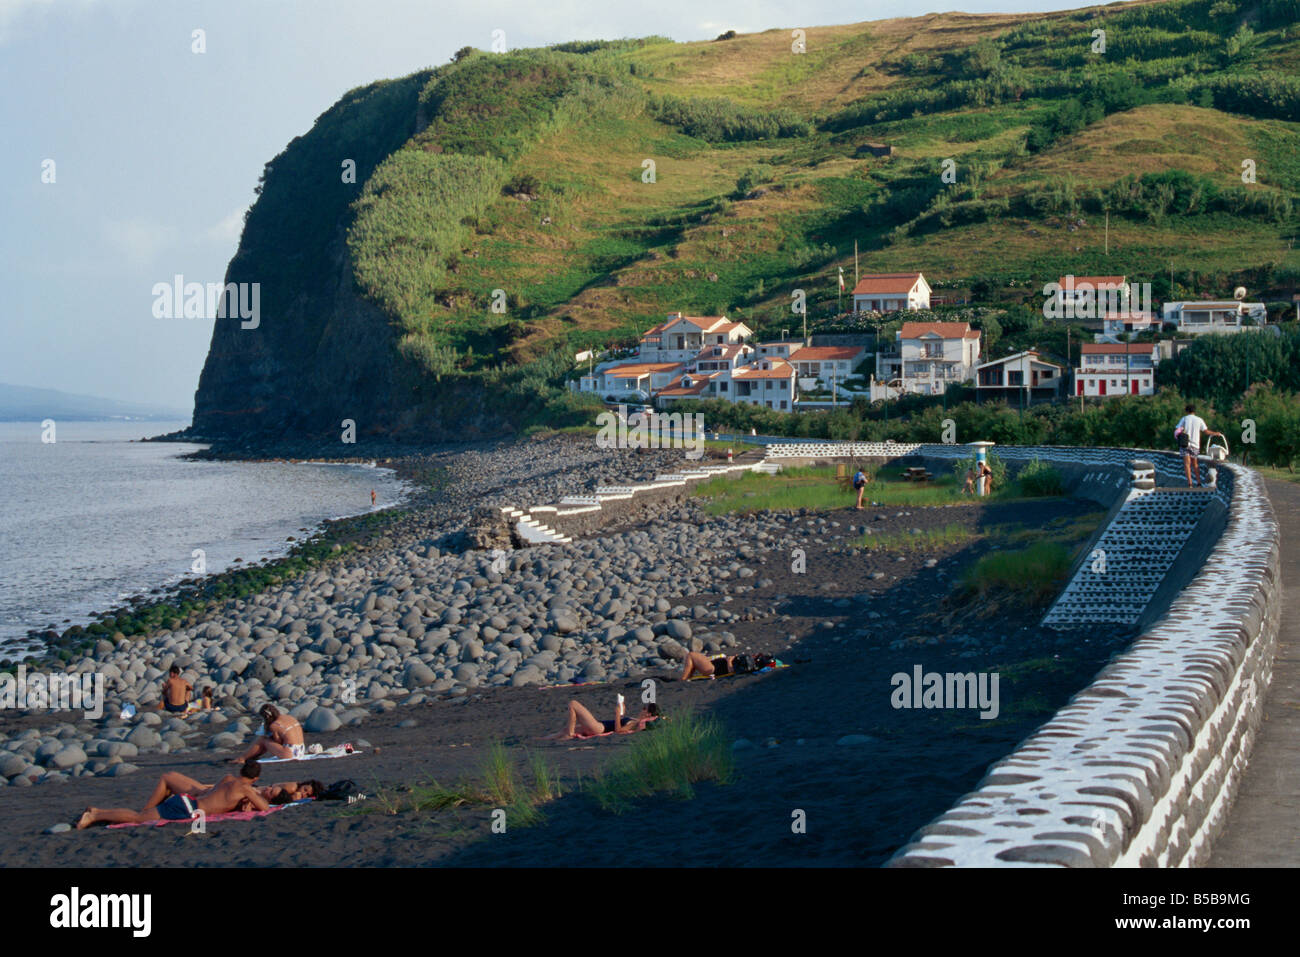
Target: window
[722,387]
[783,403]
[1015,377]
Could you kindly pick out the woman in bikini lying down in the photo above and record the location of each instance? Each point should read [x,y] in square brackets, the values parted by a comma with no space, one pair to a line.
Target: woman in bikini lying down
[285,793]
[583,724]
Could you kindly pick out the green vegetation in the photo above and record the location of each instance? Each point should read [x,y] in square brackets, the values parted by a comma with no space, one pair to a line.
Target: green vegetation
[1030,575]
[526,172]
[928,539]
[499,785]
[1039,478]
[673,757]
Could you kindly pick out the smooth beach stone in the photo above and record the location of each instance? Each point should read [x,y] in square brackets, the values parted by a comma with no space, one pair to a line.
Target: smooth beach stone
[58,828]
[119,749]
[527,675]
[119,770]
[224,741]
[322,719]
[12,765]
[418,675]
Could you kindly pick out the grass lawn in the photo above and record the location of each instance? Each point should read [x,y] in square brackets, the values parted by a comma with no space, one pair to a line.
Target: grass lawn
[817,488]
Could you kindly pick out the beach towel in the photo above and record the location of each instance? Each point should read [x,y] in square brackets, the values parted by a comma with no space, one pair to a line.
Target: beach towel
[213,818]
[740,674]
[338,751]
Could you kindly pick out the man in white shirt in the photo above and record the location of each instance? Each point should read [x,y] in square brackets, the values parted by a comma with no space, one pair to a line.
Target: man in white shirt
[1192,426]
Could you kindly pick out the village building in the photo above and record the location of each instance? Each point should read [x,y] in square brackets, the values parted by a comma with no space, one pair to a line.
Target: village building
[1197,318]
[928,357]
[767,382]
[1024,376]
[891,292]
[1109,369]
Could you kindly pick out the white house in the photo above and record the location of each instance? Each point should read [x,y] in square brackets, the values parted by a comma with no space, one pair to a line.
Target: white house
[891,292]
[930,356]
[679,338]
[631,379]
[1024,372]
[768,382]
[1116,326]
[1218,316]
[1116,369]
[821,366]
[1090,297]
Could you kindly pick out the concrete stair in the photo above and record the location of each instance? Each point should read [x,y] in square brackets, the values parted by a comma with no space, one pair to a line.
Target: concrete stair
[1138,548]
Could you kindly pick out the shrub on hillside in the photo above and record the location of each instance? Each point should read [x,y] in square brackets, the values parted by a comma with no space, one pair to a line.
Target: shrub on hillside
[1039,478]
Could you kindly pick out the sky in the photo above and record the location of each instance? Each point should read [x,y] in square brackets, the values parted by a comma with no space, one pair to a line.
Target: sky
[156,149]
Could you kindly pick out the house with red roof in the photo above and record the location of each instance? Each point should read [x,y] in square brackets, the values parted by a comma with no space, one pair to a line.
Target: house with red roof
[823,366]
[768,382]
[679,338]
[1116,368]
[891,292]
[928,357]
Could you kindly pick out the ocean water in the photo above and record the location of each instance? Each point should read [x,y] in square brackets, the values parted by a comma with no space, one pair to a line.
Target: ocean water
[96,516]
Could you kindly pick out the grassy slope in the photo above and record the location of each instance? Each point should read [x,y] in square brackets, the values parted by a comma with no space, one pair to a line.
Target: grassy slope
[598,272]
[597,255]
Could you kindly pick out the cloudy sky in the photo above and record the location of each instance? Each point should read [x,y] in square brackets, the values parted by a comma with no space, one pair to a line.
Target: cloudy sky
[156,149]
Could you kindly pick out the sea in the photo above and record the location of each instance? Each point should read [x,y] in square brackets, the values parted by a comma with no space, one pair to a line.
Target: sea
[97,516]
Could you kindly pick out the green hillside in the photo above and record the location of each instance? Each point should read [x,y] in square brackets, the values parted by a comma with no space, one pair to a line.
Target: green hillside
[526,174]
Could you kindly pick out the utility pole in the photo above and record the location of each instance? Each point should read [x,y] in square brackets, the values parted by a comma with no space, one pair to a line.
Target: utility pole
[855,264]
[1108,232]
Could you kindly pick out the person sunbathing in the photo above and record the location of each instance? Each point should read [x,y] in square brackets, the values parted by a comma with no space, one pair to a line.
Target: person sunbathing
[701,664]
[281,737]
[180,798]
[286,793]
[583,724]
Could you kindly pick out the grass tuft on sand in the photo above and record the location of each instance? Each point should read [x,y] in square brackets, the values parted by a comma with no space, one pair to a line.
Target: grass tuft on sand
[1034,574]
[672,758]
[498,785]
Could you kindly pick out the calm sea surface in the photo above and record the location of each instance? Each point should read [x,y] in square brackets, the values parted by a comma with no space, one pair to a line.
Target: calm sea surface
[95,516]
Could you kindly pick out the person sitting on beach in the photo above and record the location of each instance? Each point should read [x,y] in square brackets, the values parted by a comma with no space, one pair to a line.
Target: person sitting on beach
[281,737]
[701,664]
[176,692]
[583,724]
[180,798]
[207,698]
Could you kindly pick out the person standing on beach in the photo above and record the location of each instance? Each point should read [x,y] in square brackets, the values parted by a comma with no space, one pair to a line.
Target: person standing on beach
[176,692]
[860,483]
[1189,430]
[372,498]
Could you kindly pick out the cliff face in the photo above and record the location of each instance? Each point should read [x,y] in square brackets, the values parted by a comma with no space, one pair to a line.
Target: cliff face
[320,353]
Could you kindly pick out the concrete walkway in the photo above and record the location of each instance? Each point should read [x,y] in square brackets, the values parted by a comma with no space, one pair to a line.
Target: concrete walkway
[1263,827]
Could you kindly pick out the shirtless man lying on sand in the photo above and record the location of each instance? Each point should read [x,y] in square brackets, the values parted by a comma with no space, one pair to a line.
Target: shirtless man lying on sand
[583,724]
[281,737]
[177,798]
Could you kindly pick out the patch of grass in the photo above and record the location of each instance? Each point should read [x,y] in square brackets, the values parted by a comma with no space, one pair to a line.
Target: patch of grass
[927,540]
[1032,575]
[498,785]
[673,758]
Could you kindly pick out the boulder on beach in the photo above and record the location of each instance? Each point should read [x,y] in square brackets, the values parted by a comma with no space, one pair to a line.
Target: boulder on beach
[322,720]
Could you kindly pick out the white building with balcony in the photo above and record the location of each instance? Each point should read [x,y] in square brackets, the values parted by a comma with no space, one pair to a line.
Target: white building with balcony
[1197,318]
[1110,369]
[928,357]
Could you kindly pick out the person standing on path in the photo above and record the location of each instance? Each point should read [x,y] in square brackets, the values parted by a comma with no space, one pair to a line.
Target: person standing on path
[1188,432]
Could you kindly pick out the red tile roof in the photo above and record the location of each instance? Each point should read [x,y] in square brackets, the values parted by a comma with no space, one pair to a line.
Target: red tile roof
[825,353]
[945,330]
[886,282]
[1094,281]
